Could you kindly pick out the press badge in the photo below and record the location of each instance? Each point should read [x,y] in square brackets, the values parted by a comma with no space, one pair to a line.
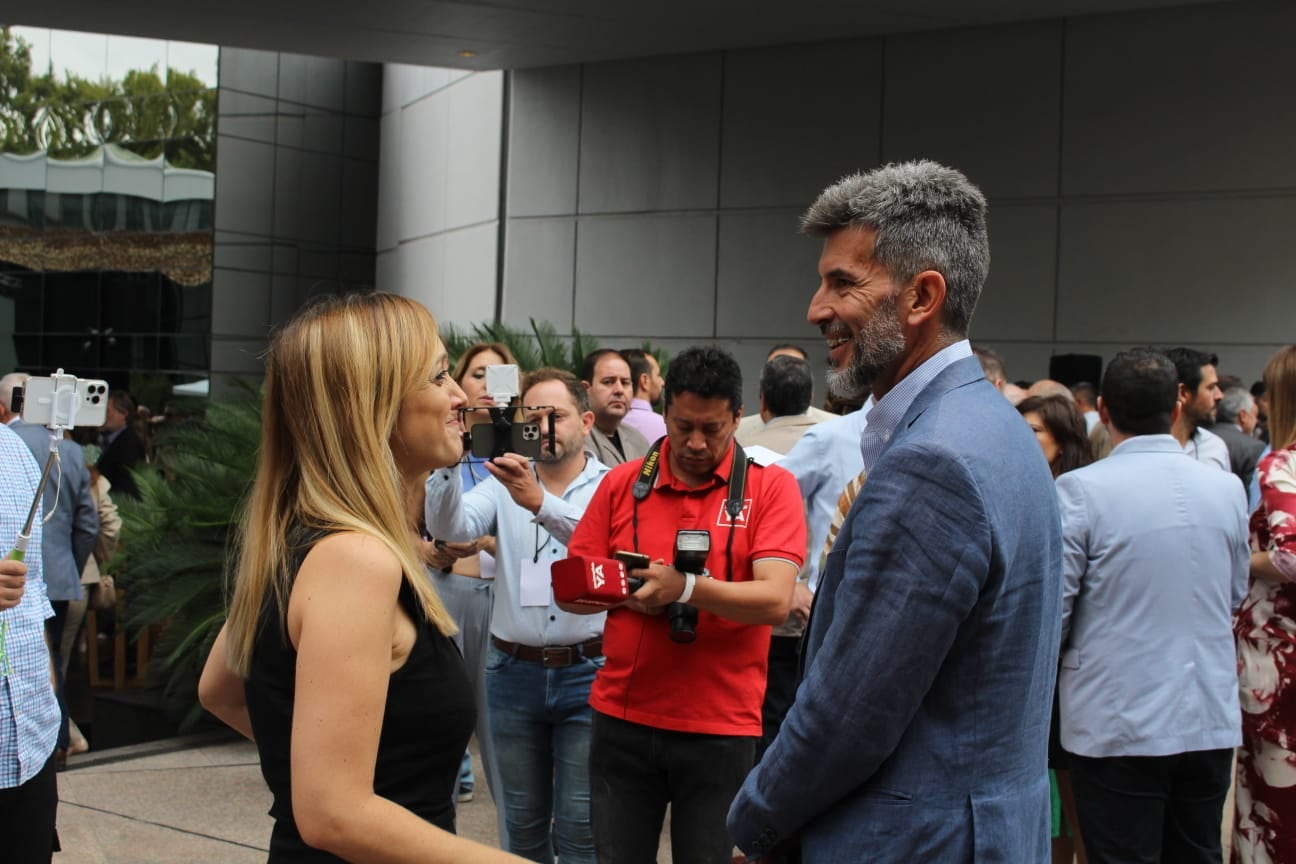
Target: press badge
[537,587]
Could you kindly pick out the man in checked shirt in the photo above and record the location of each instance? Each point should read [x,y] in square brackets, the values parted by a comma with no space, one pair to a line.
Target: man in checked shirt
[29,713]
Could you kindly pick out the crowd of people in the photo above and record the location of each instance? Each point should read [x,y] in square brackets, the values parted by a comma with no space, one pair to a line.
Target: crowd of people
[963,620]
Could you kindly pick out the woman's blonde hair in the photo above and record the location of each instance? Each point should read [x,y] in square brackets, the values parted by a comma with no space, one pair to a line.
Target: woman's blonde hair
[1280,394]
[335,378]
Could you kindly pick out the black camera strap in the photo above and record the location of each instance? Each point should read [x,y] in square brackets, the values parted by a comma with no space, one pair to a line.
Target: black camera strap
[647,481]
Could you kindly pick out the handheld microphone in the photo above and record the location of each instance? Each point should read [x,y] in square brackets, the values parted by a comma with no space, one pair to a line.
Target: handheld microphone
[581,584]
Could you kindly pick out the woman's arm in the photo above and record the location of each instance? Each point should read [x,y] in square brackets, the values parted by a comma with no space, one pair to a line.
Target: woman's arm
[221,691]
[344,620]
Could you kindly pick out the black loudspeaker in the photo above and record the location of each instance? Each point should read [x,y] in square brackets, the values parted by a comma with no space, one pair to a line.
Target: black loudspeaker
[1071,369]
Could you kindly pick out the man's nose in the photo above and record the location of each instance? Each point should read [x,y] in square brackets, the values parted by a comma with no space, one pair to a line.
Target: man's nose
[818,312]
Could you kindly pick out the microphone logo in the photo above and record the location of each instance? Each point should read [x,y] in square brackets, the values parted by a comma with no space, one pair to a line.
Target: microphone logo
[596,572]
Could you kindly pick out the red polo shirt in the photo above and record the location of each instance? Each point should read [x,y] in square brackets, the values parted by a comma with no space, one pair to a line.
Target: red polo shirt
[716,684]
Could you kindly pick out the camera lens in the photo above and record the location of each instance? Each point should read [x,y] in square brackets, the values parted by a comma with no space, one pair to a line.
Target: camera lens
[683,622]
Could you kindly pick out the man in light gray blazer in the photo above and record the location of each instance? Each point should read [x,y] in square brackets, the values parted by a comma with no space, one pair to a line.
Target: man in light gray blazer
[1155,557]
[919,732]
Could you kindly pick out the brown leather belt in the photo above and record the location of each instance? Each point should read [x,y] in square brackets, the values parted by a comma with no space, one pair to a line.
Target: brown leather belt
[552,656]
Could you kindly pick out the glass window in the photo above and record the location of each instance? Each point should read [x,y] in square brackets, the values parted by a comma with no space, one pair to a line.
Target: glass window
[23,287]
[106,198]
[130,302]
[72,302]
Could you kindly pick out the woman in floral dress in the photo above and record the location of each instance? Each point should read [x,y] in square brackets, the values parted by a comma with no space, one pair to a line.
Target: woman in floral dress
[1264,829]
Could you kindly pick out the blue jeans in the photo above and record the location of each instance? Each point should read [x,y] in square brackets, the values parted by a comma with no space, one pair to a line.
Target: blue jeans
[540,726]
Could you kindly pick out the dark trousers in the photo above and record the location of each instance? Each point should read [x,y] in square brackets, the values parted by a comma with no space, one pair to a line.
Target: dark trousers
[27,819]
[780,687]
[635,771]
[1150,809]
[54,630]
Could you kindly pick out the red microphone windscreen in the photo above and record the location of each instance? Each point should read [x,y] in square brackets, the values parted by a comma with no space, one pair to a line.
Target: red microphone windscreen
[589,583]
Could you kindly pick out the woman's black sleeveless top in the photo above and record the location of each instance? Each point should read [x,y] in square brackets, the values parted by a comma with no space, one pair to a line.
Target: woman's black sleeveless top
[427,721]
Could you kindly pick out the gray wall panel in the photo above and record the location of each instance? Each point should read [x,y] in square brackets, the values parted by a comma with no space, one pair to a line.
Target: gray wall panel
[360,138]
[766,276]
[650,135]
[787,126]
[249,71]
[539,272]
[1178,271]
[424,146]
[646,275]
[363,80]
[1017,301]
[990,106]
[358,212]
[235,252]
[283,198]
[544,141]
[473,150]
[245,116]
[245,196]
[234,357]
[392,183]
[1188,99]
[469,274]
[244,309]
[439,176]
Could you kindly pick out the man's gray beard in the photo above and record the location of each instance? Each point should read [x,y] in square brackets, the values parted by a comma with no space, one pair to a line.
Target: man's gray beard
[876,347]
[849,384]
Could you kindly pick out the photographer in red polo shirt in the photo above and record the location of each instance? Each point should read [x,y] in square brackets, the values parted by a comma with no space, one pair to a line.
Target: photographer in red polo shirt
[675,721]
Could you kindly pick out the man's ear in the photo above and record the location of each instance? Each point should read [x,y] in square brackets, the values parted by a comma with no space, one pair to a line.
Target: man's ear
[1184,395]
[587,422]
[928,293]
[1103,416]
[586,385]
[645,379]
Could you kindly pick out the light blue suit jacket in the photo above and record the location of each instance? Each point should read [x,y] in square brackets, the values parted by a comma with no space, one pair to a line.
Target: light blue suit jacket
[71,532]
[920,730]
[1156,560]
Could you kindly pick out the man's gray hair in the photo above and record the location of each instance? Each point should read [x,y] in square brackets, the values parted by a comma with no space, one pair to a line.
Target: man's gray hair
[7,385]
[927,217]
[1235,401]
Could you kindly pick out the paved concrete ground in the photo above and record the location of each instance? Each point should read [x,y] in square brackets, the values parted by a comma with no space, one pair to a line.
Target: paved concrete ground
[192,800]
[202,801]
[198,801]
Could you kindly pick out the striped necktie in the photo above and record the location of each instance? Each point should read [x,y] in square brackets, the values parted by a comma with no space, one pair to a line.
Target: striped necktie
[844,502]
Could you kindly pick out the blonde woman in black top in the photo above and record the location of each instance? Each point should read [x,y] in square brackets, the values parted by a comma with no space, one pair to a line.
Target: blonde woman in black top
[336,657]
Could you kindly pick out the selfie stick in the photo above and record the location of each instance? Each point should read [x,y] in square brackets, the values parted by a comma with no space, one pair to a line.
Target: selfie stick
[63,408]
[62,416]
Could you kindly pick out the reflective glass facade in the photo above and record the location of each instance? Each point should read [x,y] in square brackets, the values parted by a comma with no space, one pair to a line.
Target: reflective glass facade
[107,182]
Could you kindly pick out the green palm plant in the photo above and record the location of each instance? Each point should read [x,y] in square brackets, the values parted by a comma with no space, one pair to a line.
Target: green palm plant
[540,346]
[176,539]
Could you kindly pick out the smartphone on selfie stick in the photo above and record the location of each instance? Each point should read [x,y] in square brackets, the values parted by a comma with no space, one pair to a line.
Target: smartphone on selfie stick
[59,402]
